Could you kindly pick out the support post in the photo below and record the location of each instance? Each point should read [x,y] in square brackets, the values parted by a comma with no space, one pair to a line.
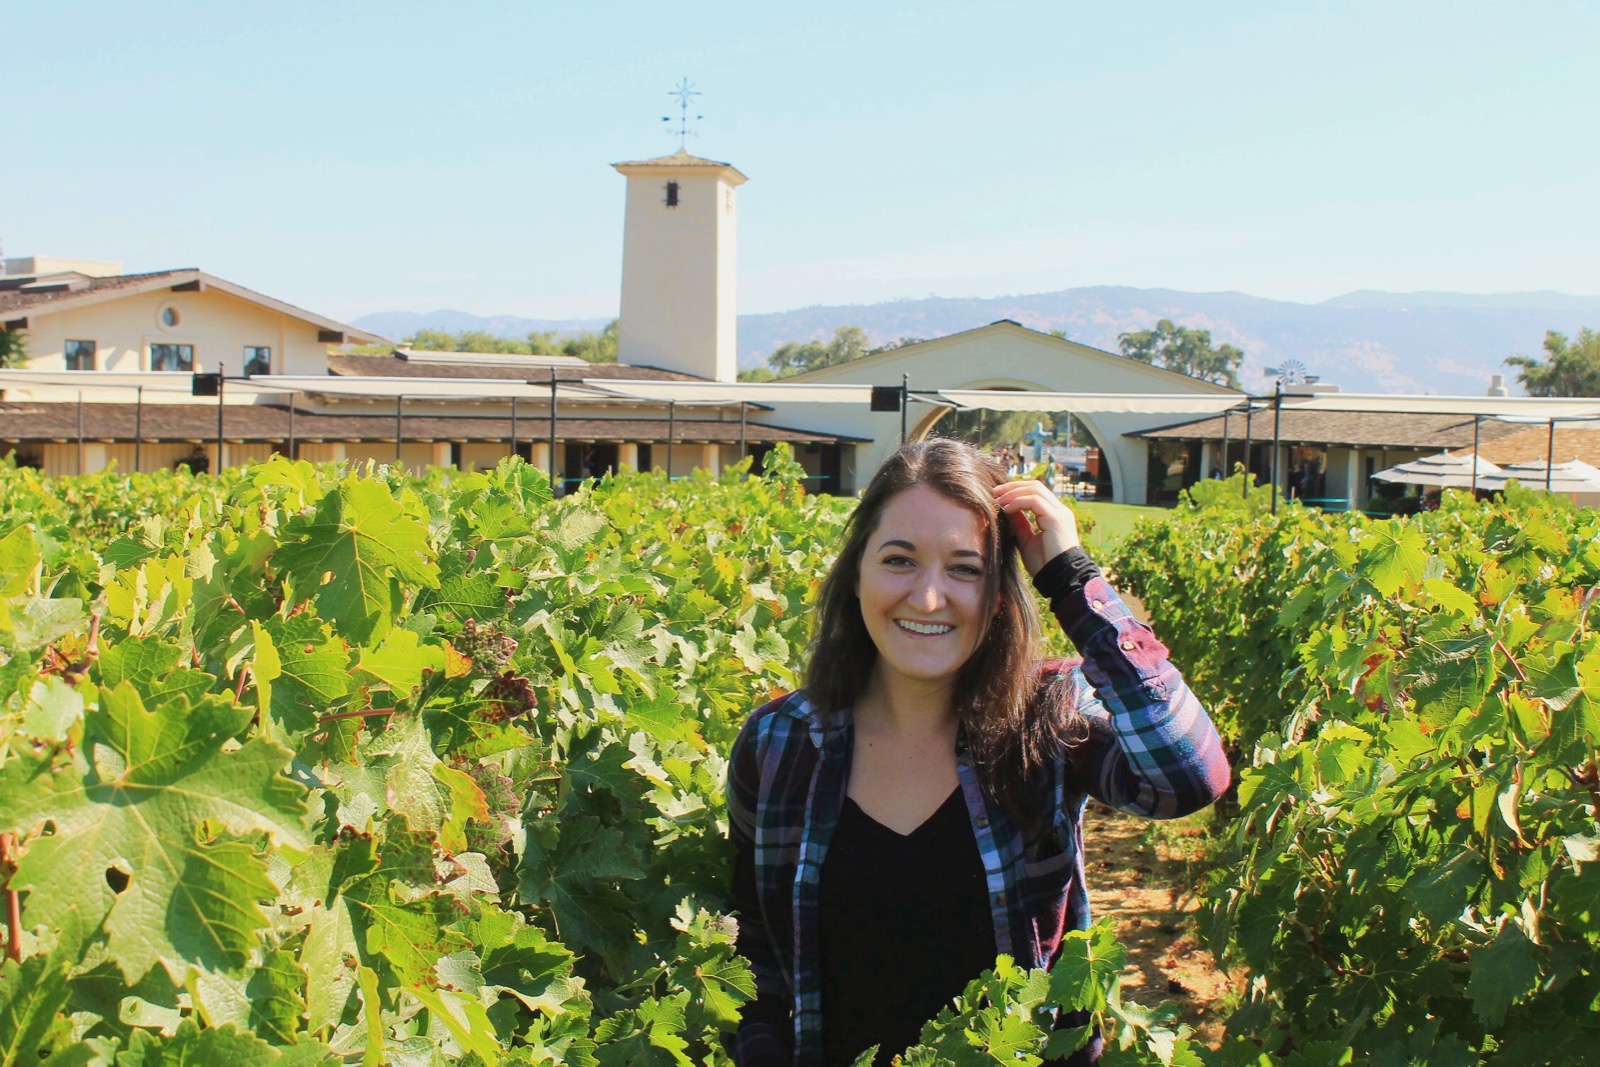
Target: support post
[672,421]
[138,430]
[1225,443]
[1477,424]
[1277,417]
[1549,456]
[222,374]
[80,431]
[399,416]
[513,426]
[554,489]
[293,450]
[743,451]
[905,404]
[1249,429]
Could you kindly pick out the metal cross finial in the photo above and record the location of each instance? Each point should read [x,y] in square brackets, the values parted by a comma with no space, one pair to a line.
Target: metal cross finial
[684,93]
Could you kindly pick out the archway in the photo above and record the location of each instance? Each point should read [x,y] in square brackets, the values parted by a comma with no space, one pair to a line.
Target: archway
[928,422]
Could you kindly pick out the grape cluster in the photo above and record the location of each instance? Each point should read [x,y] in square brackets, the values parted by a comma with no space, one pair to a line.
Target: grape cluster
[489,649]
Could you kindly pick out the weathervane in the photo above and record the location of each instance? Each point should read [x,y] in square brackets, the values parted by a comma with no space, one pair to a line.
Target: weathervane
[684,93]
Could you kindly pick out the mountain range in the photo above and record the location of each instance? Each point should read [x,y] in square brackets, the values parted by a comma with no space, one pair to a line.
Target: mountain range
[1365,341]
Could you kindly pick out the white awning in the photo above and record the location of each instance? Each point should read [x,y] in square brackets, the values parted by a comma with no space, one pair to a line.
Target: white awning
[993,399]
[414,388]
[156,381]
[733,392]
[1091,403]
[1446,469]
[1573,476]
[1535,408]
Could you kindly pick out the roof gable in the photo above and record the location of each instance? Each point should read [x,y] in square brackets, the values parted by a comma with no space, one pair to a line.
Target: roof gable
[1160,379]
[17,306]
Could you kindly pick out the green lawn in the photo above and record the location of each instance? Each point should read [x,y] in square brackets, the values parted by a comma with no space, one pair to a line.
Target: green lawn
[1112,522]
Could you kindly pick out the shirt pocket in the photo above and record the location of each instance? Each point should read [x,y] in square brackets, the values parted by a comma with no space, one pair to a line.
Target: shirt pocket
[1050,857]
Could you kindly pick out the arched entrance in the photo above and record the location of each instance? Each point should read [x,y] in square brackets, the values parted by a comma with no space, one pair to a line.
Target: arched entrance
[928,424]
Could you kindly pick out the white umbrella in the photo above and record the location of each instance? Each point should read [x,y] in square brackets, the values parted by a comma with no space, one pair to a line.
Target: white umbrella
[1573,476]
[1452,471]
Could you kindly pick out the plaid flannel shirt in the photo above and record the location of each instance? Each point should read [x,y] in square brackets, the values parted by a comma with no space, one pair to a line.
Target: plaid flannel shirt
[1151,751]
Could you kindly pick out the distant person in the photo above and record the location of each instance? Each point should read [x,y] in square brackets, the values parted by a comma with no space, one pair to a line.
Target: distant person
[916,809]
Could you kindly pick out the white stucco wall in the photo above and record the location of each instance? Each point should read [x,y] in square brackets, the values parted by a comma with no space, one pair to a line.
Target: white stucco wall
[217,324]
[679,281]
[999,356]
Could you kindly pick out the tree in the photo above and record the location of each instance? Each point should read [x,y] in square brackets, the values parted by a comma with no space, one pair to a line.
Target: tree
[585,344]
[1571,370]
[11,350]
[1185,350]
[798,357]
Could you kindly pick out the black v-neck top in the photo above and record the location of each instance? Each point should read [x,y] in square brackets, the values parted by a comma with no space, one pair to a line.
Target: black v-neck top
[905,925]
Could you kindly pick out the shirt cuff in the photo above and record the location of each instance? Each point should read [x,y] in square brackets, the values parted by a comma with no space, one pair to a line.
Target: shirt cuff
[1068,573]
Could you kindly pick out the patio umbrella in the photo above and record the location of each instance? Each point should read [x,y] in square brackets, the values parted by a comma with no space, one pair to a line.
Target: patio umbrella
[1452,471]
[1573,476]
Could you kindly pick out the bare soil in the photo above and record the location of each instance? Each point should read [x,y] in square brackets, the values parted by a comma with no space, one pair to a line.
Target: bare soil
[1146,883]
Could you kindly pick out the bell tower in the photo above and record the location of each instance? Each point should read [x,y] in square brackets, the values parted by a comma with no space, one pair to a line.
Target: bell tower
[679,259]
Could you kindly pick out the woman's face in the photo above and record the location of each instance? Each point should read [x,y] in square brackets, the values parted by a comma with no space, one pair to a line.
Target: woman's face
[922,585]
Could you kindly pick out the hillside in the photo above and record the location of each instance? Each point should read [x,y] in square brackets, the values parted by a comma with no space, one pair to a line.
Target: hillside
[1365,341]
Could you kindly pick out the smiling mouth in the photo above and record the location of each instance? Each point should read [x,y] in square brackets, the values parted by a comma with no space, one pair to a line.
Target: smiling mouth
[926,629]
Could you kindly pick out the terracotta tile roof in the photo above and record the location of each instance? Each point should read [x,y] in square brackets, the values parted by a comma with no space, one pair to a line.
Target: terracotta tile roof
[1360,429]
[12,301]
[680,158]
[260,422]
[1521,442]
[395,367]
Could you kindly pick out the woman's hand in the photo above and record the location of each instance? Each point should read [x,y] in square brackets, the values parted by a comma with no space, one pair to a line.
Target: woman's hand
[1052,530]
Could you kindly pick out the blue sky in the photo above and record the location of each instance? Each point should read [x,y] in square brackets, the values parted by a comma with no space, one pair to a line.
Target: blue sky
[358,157]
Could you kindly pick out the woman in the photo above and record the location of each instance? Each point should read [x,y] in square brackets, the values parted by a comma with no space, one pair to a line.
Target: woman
[916,809]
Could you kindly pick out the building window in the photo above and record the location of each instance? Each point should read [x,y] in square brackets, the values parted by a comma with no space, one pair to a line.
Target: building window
[672,194]
[257,360]
[171,357]
[170,316]
[80,355]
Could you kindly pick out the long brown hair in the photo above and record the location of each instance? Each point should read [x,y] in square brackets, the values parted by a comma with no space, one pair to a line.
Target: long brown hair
[1012,722]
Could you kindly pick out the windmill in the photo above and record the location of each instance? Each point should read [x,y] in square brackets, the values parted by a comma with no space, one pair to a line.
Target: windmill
[1291,372]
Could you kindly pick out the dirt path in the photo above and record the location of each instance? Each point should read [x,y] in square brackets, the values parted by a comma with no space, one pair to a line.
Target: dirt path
[1148,890]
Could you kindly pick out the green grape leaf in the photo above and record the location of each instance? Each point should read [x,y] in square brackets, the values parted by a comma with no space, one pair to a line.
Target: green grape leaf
[399,662]
[346,555]
[1394,555]
[164,783]
[1452,674]
[1089,963]
[468,596]
[646,1036]
[53,710]
[19,560]
[574,868]
[31,994]
[1439,890]
[191,1045]
[329,956]
[1503,972]
[154,667]
[398,916]
[466,1020]
[301,670]
[397,771]
[1450,596]
[277,997]
[32,622]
